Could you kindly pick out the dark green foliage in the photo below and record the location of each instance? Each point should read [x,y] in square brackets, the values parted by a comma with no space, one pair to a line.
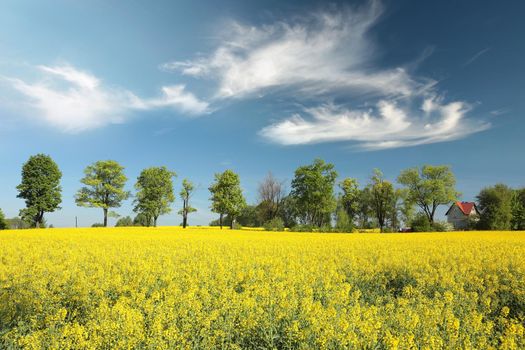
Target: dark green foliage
[365,211]
[3,222]
[226,196]
[349,198]
[420,223]
[40,188]
[154,192]
[97,224]
[287,212]
[343,222]
[124,222]
[518,210]
[275,224]
[250,216]
[313,193]
[105,181]
[142,220]
[382,197]
[495,204]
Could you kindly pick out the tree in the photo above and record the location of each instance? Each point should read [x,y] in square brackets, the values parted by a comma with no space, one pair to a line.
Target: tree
[288,212]
[420,223]
[365,210]
[343,222]
[271,193]
[518,210]
[124,222]
[185,195]
[313,192]
[406,210]
[40,188]
[350,197]
[226,196]
[105,181]
[429,187]
[154,192]
[495,204]
[382,196]
[3,222]
[142,220]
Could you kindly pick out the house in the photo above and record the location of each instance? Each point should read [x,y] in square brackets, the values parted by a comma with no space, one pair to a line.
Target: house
[461,214]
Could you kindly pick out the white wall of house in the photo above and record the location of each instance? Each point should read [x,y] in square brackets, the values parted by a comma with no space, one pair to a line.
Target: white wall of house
[458,219]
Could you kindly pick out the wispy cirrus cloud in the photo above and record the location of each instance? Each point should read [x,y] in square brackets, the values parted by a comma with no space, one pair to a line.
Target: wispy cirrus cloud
[316,57]
[476,56]
[74,100]
[386,125]
[316,53]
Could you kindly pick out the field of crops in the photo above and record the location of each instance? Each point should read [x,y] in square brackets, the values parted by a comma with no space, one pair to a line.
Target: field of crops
[164,288]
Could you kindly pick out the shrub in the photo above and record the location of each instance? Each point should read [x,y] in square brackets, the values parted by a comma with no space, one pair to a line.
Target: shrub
[343,222]
[124,222]
[275,224]
[303,228]
[236,226]
[421,223]
[97,224]
[442,226]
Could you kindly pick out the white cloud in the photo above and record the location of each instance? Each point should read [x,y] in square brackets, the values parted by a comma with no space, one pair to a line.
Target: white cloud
[330,56]
[387,125]
[315,53]
[74,101]
[176,96]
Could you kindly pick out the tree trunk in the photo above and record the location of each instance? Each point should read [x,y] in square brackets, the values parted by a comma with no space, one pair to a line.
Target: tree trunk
[220,220]
[155,221]
[184,221]
[231,223]
[105,217]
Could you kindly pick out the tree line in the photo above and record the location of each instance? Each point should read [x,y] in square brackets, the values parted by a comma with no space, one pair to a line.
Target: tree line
[316,201]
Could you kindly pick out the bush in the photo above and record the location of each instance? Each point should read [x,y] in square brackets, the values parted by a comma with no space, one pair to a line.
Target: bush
[343,222]
[124,222]
[421,223]
[97,224]
[303,228]
[275,224]
[442,226]
[236,226]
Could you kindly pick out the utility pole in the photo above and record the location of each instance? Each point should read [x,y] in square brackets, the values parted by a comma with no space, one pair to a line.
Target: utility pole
[76,221]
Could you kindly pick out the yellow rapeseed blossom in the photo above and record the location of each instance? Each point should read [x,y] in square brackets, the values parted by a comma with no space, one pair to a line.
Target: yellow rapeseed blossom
[203,288]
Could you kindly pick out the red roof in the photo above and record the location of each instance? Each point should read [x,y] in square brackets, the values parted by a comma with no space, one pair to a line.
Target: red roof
[465,207]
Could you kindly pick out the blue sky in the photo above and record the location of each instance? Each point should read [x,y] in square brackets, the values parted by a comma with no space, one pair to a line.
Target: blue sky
[260,86]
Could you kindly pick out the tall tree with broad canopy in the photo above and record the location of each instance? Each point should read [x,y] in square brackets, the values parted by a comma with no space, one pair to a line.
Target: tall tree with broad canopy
[226,196]
[313,192]
[382,196]
[40,188]
[155,192]
[271,194]
[495,205]
[350,197]
[105,181]
[185,194]
[429,187]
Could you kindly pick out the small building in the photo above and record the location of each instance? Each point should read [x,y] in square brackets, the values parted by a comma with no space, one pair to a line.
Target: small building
[461,214]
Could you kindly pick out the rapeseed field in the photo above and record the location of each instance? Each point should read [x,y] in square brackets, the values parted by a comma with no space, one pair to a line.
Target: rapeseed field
[203,288]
